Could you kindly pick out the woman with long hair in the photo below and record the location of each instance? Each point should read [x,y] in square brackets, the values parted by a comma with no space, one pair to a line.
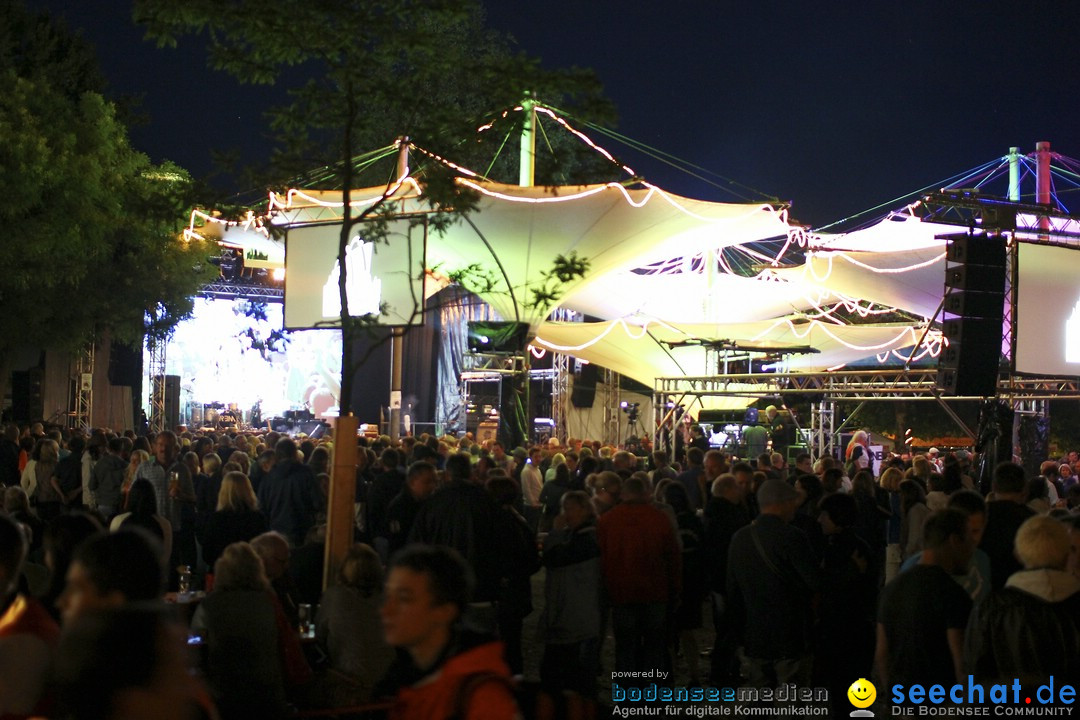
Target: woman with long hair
[237,518]
[137,458]
[349,629]
[914,511]
[37,479]
[141,511]
[238,622]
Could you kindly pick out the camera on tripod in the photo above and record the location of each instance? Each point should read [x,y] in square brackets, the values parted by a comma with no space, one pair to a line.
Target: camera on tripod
[631,410]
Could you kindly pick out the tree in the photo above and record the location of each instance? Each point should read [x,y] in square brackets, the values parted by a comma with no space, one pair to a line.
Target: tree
[360,73]
[94,226]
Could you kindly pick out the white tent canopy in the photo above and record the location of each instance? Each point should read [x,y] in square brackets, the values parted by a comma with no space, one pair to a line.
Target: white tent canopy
[647,349]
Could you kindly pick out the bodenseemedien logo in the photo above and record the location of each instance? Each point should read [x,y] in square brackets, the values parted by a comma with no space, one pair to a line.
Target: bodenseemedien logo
[862,694]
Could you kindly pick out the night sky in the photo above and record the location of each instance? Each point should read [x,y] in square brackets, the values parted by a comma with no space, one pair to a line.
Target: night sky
[835,106]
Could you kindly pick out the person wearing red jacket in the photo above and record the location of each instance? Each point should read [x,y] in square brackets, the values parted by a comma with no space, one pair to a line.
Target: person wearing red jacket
[642,566]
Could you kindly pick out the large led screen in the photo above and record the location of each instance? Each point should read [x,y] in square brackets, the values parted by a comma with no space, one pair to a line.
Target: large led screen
[385,278]
[1048,310]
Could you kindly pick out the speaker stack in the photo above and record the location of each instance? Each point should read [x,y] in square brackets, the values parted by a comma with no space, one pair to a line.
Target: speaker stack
[973,314]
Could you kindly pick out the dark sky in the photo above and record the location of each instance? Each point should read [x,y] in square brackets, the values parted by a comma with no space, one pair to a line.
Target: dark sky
[835,106]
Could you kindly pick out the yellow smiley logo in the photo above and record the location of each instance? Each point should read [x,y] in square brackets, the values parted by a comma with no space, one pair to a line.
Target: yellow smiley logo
[862,693]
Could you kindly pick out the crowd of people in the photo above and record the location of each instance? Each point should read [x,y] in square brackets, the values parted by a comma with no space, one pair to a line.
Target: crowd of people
[817,573]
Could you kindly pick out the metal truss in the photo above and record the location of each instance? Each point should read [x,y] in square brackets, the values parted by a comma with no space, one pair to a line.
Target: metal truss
[83,382]
[225,290]
[611,407]
[971,209]
[855,385]
[157,390]
[560,393]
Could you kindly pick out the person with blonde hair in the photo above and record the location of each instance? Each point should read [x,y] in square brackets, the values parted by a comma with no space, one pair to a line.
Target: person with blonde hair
[238,621]
[1030,629]
[137,458]
[237,518]
[890,482]
[349,629]
[37,479]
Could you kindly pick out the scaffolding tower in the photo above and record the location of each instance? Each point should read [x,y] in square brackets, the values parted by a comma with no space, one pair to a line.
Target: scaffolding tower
[157,384]
[82,379]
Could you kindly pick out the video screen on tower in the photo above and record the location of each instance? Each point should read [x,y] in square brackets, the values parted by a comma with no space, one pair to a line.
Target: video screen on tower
[1048,310]
[384,278]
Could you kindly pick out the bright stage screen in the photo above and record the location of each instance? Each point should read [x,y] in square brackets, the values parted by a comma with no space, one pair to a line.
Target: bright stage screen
[384,278]
[217,355]
[1048,310]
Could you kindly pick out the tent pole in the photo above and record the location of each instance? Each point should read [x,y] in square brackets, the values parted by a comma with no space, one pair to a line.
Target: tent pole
[1014,174]
[397,342]
[527,167]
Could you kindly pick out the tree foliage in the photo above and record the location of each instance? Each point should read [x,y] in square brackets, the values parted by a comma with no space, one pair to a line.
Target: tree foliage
[360,73]
[93,225]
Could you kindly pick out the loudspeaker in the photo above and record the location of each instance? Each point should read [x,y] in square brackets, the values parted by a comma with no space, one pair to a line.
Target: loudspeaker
[125,365]
[583,393]
[972,322]
[975,249]
[172,399]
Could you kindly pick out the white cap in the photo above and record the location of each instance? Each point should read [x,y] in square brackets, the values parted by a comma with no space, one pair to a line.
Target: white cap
[933,451]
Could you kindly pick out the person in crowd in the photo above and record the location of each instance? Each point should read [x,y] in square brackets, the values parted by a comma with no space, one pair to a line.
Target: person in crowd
[462,515]
[976,577]
[756,439]
[725,515]
[914,513]
[274,551]
[571,615]
[420,482]
[1030,629]
[384,488]
[146,675]
[1004,516]
[288,494]
[772,577]
[844,646]
[28,634]
[744,476]
[9,456]
[37,481]
[110,570]
[693,478]
[642,568]
[532,485]
[936,498]
[135,459]
[521,562]
[606,487]
[239,622]
[1038,496]
[914,646]
[349,630]
[688,610]
[207,478]
[141,511]
[68,473]
[551,497]
[872,504]
[890,481]
[236,517]
[17,506]
[427,591]
[62,536]
[107,479]
[174,490]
